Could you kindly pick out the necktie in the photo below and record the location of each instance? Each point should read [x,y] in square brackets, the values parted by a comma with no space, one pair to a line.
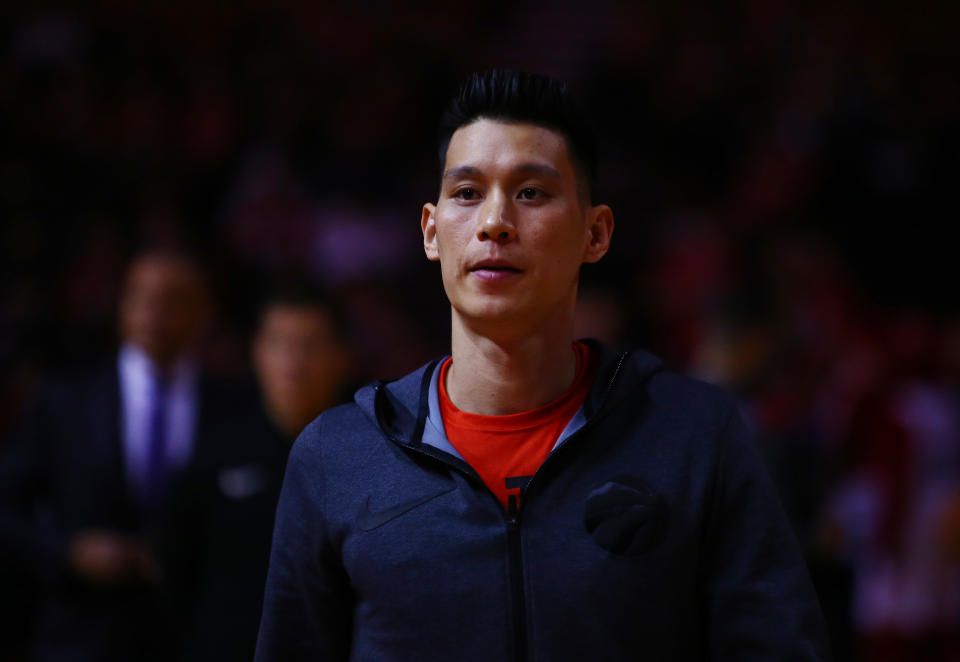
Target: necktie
[157,474]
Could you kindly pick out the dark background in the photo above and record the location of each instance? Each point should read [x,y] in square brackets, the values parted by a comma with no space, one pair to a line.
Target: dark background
[782,178]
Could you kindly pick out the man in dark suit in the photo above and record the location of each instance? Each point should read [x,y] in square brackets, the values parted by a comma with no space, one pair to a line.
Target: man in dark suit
[85,485]
[221,525]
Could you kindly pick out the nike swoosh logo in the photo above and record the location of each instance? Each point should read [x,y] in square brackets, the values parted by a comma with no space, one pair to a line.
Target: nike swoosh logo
[368,520]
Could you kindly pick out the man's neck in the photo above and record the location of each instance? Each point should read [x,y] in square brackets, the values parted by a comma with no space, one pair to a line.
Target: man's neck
[495,377]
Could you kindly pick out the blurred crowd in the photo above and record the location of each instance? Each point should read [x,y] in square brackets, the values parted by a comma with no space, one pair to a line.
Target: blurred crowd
[228,199]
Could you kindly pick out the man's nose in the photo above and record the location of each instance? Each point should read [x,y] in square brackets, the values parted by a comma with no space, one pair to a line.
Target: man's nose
[495,222]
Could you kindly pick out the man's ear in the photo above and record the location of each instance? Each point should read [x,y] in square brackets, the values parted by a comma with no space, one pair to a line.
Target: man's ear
[599,231]
[429,228]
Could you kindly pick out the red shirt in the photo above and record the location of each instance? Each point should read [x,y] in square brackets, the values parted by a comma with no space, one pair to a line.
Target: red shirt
[506,450]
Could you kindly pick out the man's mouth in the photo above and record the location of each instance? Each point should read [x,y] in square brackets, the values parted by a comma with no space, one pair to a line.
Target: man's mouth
[494,271]
[495,267]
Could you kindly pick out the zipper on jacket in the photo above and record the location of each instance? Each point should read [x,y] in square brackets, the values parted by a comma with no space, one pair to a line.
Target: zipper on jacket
[518,598]
[517,594]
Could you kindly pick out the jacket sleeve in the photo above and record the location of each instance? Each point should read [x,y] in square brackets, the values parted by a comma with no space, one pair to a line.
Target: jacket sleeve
[307,610]
[759,598]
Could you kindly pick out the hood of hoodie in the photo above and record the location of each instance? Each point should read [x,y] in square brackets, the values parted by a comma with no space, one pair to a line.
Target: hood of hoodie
[400,407]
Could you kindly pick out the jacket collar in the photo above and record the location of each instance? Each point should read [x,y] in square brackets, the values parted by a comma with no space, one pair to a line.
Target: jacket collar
[400,407]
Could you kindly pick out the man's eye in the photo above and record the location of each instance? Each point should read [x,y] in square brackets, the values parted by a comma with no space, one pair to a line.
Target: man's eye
[466,194]
[530,193]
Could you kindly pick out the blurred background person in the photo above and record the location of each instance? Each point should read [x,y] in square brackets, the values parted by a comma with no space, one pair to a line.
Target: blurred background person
[221,527]
[300,357]
[85,484]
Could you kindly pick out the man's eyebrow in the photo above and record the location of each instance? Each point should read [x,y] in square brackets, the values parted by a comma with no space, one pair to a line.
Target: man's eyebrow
[536,169]
[462,171]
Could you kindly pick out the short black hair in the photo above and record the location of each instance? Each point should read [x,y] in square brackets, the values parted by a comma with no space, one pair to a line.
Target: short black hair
[304,295]
[518,96]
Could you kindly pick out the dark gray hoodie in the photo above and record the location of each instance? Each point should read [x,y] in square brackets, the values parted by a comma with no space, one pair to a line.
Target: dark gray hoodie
[651,532]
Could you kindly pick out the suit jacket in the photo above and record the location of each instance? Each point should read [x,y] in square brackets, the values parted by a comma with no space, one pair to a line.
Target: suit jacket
[219,534]
[64,473]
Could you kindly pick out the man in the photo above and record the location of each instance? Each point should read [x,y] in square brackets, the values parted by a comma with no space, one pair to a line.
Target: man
[300,357]
[220,528]
[85,487]
[531,497]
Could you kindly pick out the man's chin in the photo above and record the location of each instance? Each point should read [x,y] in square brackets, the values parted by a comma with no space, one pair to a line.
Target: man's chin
[497,319]
[491,310]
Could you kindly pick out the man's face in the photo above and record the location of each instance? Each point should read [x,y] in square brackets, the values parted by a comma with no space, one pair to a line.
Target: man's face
[299,360]
[509,229]
[162,307]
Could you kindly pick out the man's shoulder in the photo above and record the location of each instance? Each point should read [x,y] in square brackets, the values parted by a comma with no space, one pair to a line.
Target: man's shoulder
[667,387]
[674,388]
[678,400]
[344,427]
[335,421]
[673,415]
[357,431]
